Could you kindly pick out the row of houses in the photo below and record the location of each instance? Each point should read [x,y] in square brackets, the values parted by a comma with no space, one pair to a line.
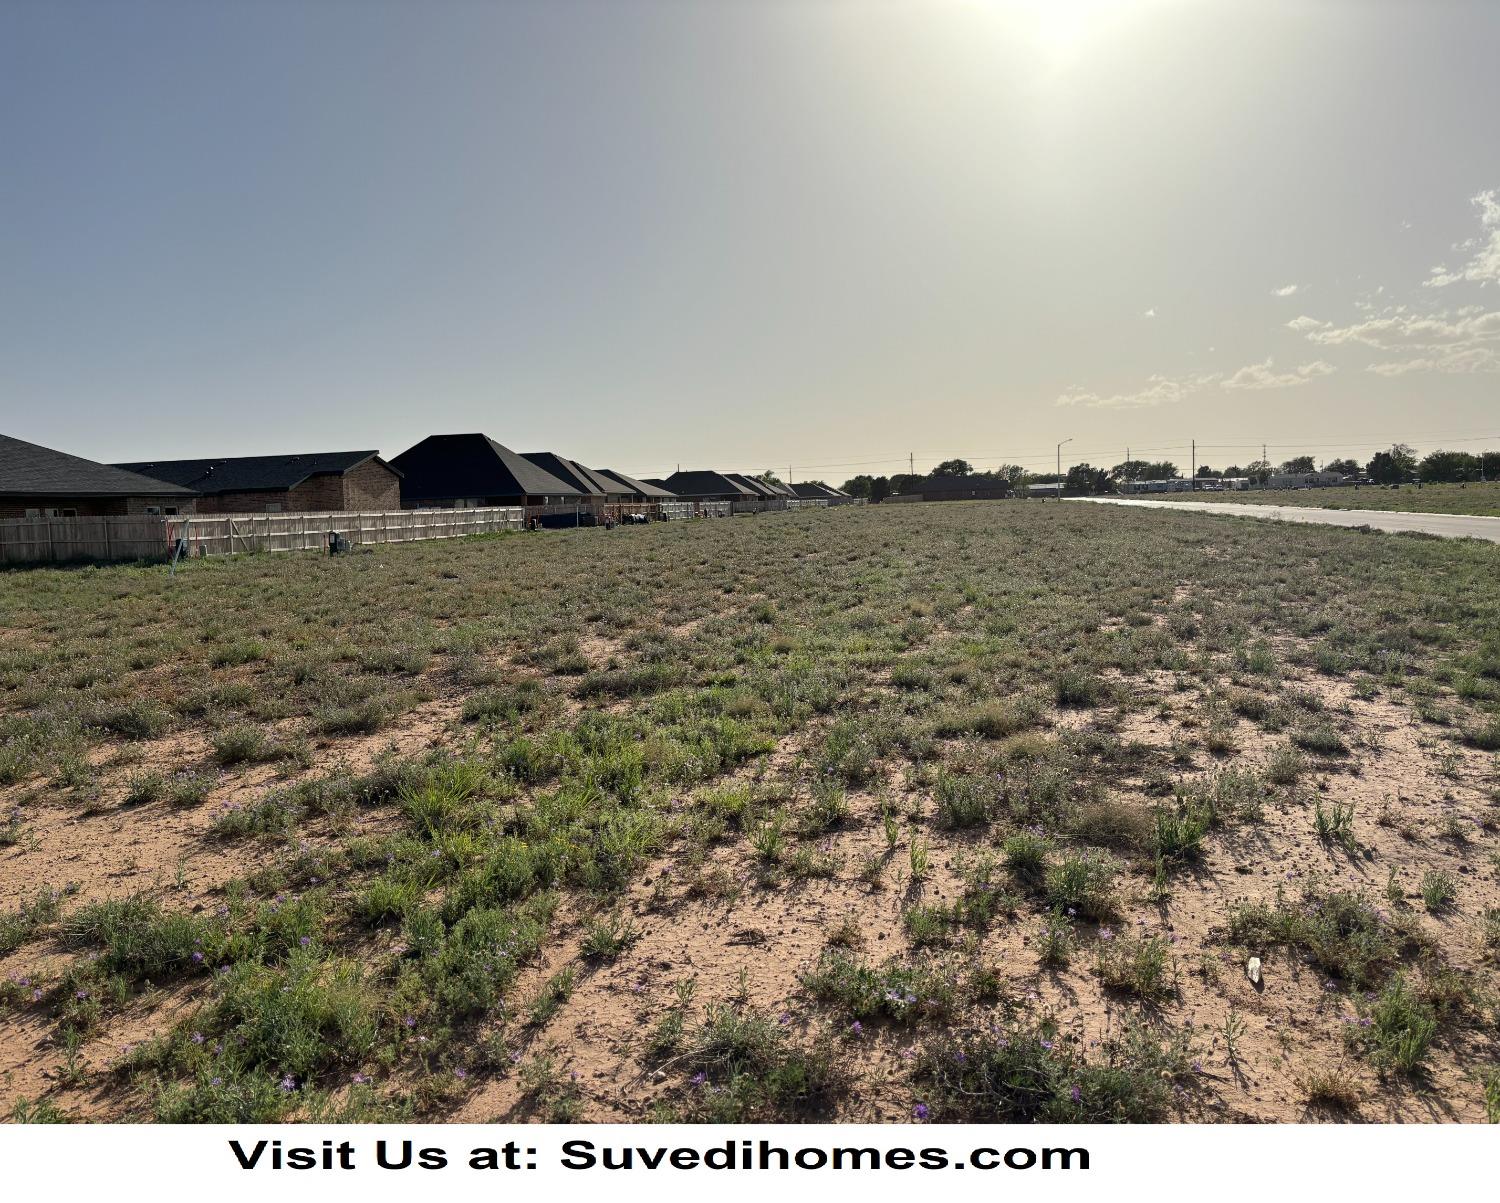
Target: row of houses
[445,471]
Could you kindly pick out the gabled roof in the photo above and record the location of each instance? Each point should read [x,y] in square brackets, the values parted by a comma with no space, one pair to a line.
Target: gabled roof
[706,484]
[28,470]
[643,488]
[472,465]
[812,491]
[758,488]
[251,473]
[571,472]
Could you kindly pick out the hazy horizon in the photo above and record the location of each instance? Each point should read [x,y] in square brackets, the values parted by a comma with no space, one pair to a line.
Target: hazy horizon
[817,236]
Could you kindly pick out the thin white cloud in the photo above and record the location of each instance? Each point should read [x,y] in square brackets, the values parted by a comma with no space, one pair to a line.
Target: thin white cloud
[1150,312]
[1159,390]
[1457,362]
[1304,323]
[1399,330]
[1483,266]
[1285,290]
[1264,375]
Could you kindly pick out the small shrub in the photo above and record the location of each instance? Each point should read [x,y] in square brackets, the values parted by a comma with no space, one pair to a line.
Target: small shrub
[1439,890]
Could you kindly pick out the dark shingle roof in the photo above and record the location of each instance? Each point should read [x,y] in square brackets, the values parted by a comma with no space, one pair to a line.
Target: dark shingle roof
[813,491]
[250,473]
[642,488]
[444,466]
[758,488]
[706,484]
[570,471]
[27,470]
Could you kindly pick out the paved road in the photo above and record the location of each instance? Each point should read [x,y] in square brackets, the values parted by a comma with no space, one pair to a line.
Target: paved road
[1450,526]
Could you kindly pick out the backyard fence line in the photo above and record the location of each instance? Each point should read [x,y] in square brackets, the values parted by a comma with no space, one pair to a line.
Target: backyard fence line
[153,536]
[231,534]
[105,537]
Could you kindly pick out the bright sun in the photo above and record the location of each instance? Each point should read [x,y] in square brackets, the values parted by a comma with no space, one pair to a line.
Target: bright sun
[1060,29]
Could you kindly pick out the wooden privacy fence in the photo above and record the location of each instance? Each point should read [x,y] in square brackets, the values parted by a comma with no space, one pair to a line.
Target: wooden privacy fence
[229,534]
[59,540]
[152,537]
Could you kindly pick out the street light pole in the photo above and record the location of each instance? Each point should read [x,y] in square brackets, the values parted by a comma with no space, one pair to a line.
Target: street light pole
[1059,467]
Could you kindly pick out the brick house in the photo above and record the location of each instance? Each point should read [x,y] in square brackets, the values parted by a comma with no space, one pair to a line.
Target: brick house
[463,471]
[38,482]
[704,485]
[311,483]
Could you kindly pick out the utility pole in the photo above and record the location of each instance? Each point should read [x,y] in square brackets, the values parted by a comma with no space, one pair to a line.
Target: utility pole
[911,464]
[1193,482]
[1059,467]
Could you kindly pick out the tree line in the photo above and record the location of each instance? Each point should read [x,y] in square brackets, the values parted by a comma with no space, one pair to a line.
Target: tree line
[1398,465]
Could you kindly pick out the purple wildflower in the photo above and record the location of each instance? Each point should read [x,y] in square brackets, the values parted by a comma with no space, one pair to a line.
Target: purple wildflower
[920,1111]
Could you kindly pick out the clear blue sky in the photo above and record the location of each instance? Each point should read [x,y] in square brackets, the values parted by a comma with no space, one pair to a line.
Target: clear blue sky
[750,235]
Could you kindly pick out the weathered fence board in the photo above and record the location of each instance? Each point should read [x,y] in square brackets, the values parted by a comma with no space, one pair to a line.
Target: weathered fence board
[59,540]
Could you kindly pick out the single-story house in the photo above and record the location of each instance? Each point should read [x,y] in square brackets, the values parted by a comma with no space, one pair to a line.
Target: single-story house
[38,482]
[813,491]
[461,471]
[758,488]
[317,482]
[640,490]
[589,483]
[709,486]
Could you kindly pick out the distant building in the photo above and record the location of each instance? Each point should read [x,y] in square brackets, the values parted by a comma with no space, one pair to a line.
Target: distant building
[308,483]
[1171,485]
[1304,480]
[705,485]
[589,484]
[640,490]
[38,482]
[461,471]
[813,491]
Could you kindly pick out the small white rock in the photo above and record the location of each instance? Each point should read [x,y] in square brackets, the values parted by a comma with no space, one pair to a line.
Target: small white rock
[1252,970]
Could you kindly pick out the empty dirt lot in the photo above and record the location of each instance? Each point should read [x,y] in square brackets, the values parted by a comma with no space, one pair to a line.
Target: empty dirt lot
[971,811]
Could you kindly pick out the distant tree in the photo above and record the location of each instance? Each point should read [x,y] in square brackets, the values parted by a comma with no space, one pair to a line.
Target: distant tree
[1344,467]
[1233,472]
[905,482]
[1392,467]
[1206,473]
[1258,470]
[769,477]
[1489,465]
[1131,469]
[872,488]
[1013,473]
[953,467]
[1299,463]
[1162,470]
[1449,466]
[1088,480]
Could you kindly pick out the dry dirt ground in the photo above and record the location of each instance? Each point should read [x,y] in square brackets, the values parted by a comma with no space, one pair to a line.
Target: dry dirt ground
[858,672]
